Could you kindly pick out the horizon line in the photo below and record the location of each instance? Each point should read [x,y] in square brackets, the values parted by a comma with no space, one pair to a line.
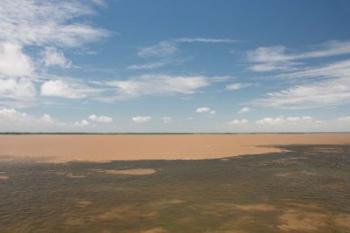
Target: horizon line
[166,133]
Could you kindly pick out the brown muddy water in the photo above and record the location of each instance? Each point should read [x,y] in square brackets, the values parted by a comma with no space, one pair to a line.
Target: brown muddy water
[304,190]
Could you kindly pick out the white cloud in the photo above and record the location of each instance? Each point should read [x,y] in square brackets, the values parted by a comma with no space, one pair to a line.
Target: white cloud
[239,121]
[202,109]
[100,119]
[18,89]
[65,89]
[12,120]
[13,62]
[270,58]
[244,110]
[141,119]
[297,124]
[82,123]
[205,110]
[47,119]
[344,119]
[91,120]
[53,57]
[166,119]
[17,70]
[158,85]
[290,124]
[10,114]
[237,86]
[32,22]
[284,120]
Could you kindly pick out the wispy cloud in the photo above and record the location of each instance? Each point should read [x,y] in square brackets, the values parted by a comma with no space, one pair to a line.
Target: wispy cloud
[333,89]
[147,66]
[206,40]
[168,47]
[265,59]
[158,84]
[339,69]
[313,95]
[48,26]
[30,22]
[161,49]
[313,85]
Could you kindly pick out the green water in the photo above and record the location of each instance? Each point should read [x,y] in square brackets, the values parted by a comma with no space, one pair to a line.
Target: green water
[304,190]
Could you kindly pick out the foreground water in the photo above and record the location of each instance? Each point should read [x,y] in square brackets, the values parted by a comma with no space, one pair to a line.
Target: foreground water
[304,190]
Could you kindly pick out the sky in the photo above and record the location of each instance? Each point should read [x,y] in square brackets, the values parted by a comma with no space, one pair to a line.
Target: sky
[174,66]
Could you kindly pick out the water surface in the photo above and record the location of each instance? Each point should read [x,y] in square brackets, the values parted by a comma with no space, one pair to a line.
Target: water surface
[304,190]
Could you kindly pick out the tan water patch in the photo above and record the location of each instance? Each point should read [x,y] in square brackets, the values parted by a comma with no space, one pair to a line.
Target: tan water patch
[301,221]
[306,207]
[3,177]
[224,208]
[67,174]
[237,225]
[71,175]
[164,203]
[64,148]
[295,174]
[256,207]
[225,159]
[129,172]
[155,230]
[325,150]
[125,213]
[83,203]
[75,222]
[343,220]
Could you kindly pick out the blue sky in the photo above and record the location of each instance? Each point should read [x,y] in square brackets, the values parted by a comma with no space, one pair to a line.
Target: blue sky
[174,66]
